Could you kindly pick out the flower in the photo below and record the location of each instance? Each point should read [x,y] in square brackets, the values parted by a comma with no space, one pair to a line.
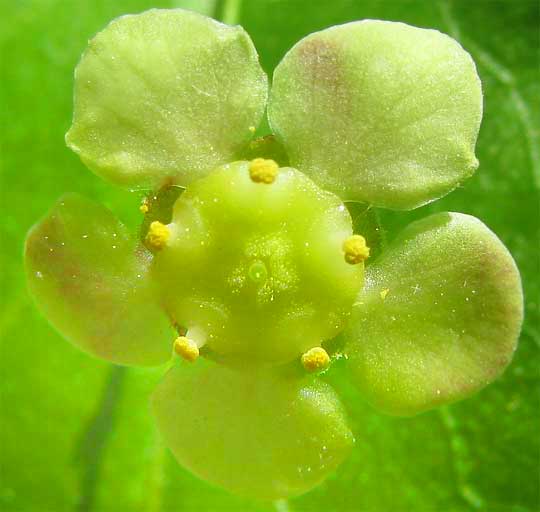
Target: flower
[252,272]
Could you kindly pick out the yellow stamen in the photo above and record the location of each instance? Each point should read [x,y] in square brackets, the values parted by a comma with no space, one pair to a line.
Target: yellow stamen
[355,249]
[315,359]
[187,349]
[144,206]
[384,293]
[252,129]
[263,171]
[158,235]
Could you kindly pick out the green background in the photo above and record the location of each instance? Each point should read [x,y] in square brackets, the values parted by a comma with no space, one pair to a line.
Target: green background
[76,433]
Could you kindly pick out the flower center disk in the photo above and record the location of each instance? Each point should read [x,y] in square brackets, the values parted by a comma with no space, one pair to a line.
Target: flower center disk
[258,265]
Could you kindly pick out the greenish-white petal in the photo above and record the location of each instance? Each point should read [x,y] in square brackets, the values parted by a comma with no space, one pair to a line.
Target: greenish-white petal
[253,432]
[379,112]
[165,96]
[439,317]
[90,280]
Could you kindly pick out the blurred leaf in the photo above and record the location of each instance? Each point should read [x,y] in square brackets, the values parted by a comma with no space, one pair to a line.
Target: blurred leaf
[60,406]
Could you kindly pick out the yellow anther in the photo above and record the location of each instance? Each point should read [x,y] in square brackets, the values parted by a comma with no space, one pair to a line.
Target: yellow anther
[144,207]
[158,235]
[252,129]
[263,171]
[187,349]
[355,249]
[384,293]
[315,359]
